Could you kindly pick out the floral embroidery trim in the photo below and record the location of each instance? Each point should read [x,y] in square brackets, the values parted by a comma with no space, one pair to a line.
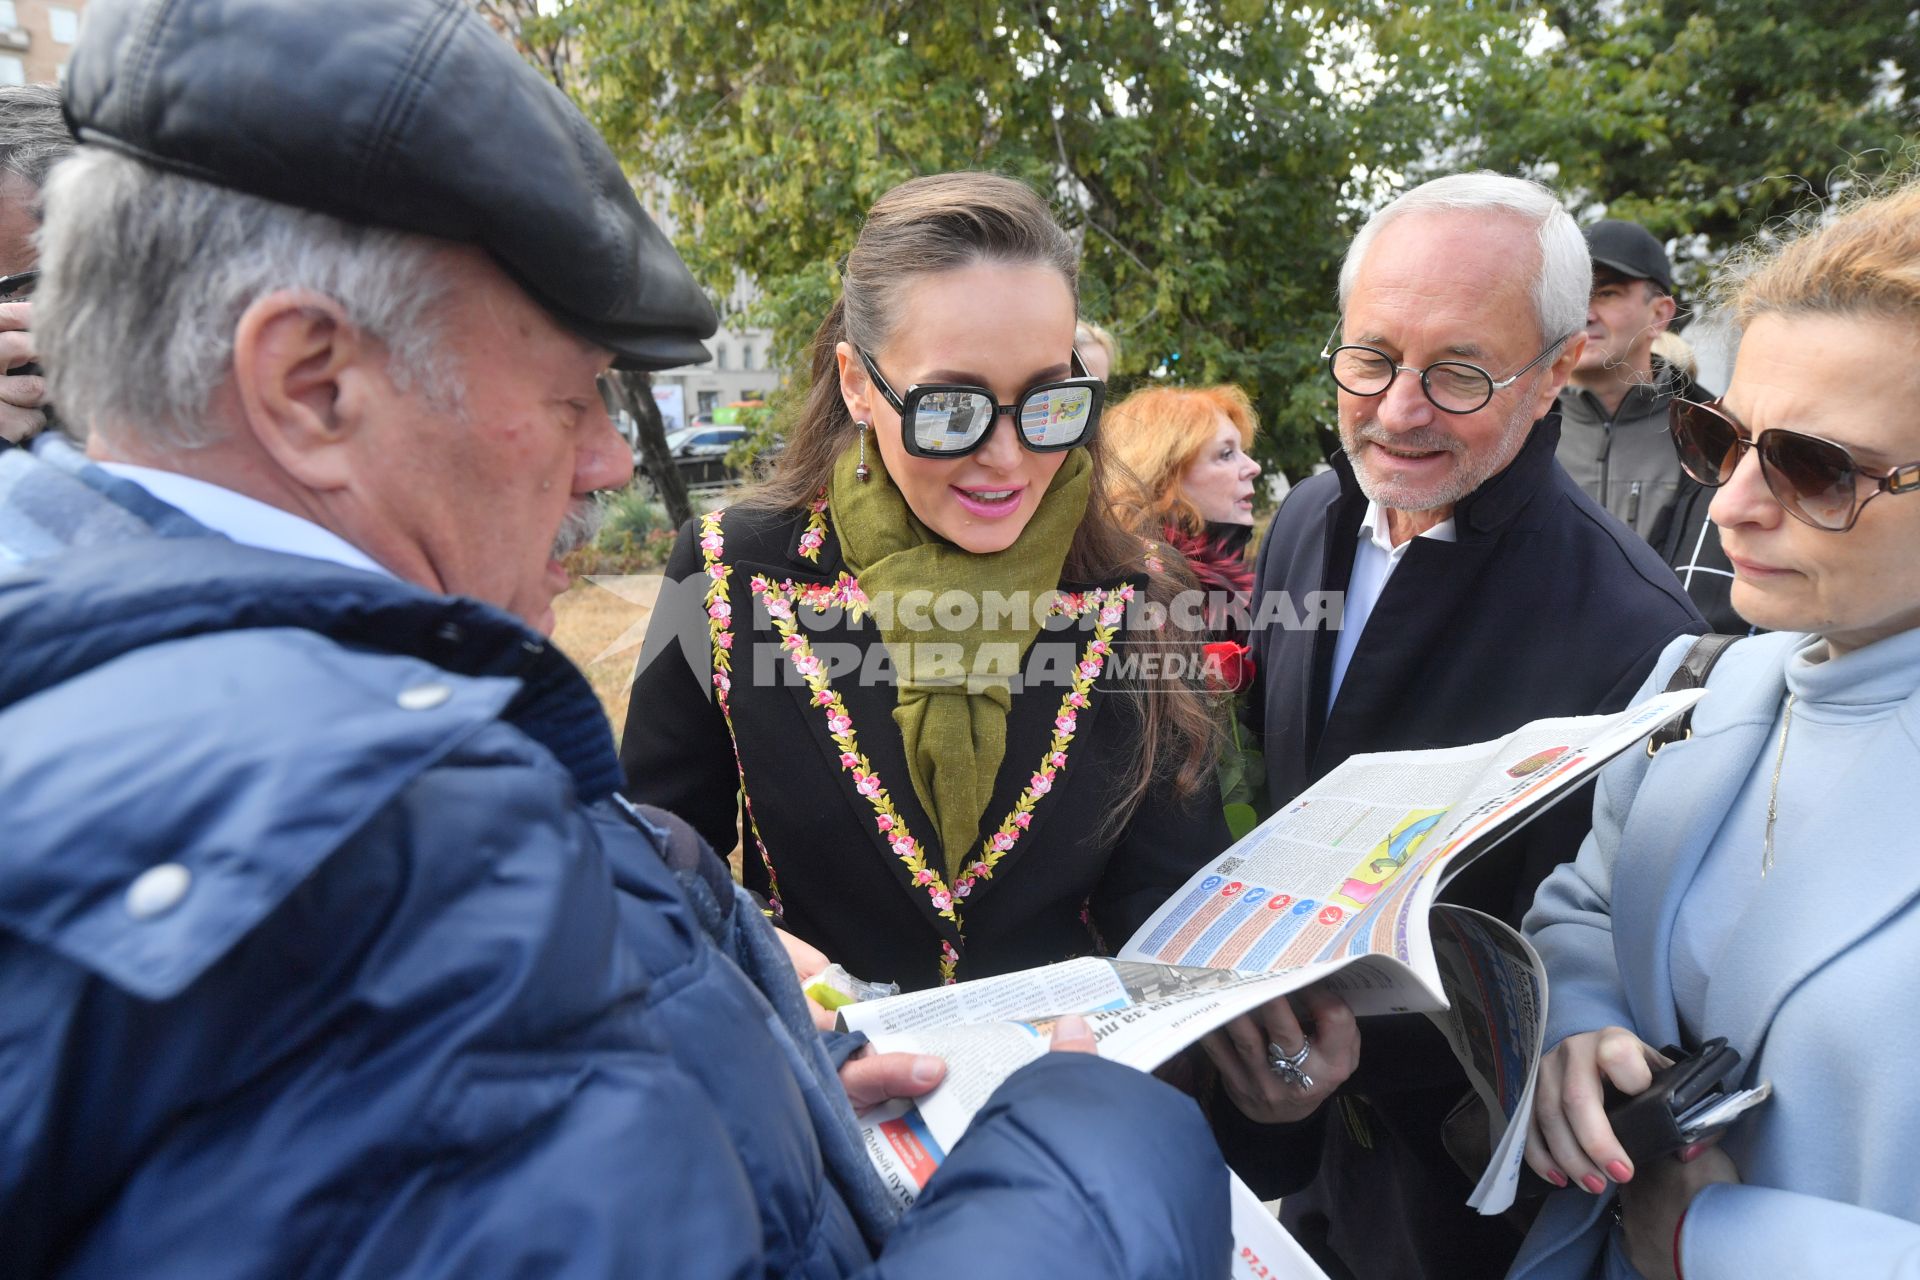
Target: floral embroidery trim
[779,598]
[814,536]
[720,635]
[845,593]
[949,963]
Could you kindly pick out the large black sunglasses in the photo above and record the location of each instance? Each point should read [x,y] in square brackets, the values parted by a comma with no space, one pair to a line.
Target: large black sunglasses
[1815,481]
[948,420]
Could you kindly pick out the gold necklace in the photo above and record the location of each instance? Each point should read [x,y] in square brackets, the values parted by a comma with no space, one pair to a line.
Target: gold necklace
[1773,792]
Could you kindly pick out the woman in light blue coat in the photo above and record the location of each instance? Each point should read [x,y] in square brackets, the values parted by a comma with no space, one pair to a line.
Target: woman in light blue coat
[1760,880]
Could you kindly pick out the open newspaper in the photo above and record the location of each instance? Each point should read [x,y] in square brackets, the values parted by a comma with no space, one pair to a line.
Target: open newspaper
[1337,888]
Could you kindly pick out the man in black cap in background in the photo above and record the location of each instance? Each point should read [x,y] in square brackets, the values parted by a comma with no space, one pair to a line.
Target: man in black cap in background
[327,947]
[1613,413]
[1613,416]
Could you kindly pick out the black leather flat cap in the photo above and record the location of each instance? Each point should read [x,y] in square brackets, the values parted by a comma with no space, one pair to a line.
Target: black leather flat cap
[410,114]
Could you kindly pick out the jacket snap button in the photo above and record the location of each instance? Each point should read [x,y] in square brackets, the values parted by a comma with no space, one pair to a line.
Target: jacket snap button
[424,697]
[157,890]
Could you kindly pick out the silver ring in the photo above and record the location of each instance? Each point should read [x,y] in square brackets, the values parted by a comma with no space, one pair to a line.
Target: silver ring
[1288,1066]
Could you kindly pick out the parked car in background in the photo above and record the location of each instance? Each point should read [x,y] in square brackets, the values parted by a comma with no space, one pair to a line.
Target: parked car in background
[703,451]
[699,441]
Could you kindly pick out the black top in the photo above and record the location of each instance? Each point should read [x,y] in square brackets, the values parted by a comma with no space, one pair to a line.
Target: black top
[1545,606]
[1690,542]
[1067,886]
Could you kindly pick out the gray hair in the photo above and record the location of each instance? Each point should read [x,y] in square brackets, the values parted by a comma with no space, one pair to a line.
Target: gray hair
[145,274]
[33,132]
[1563,279]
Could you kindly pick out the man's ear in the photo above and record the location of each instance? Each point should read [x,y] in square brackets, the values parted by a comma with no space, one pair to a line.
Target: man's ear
[299,370]
[1557,374]
[856,389]
[1663,309]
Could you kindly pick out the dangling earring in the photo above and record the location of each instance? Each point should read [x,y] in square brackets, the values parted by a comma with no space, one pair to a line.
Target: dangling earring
[862,471]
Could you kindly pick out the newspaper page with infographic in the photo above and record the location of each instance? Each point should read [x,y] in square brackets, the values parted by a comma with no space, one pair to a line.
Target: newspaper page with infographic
[1336,889]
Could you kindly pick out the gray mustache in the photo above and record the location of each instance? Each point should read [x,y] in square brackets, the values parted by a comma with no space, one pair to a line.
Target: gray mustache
[581,527]
[1408,441]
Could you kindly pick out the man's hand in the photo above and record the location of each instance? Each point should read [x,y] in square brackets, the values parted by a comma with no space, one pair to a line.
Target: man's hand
[1071,1034]
[1239,1050]
[1652,1204]
[807,963]
[872,1078]
[1570,1137]
[21,396]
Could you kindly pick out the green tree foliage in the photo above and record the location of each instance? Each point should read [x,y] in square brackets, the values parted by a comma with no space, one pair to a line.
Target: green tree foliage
[1210,156]
[540,31]
[1706,119]
[1215,156]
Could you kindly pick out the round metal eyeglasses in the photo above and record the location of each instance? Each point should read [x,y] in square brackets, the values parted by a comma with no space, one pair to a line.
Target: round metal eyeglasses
[1454,386]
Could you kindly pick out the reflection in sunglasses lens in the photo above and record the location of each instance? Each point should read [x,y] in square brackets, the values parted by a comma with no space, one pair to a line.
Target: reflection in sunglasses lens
[1057,416]
[947,420]
[1709,445]
[1818,477]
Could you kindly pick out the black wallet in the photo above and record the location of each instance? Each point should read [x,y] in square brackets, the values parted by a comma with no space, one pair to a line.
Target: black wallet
[1667,1115]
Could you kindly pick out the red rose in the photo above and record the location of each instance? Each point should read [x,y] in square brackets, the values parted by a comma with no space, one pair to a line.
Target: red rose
[1229,666]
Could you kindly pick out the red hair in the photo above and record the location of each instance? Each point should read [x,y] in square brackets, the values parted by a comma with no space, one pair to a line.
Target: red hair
[1158,433]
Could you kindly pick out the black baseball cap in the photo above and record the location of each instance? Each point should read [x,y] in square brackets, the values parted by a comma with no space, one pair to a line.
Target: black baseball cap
[409,114]
[1630,249]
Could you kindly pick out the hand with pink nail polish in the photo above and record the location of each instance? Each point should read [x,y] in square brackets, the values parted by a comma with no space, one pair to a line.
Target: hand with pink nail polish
[1569,1137]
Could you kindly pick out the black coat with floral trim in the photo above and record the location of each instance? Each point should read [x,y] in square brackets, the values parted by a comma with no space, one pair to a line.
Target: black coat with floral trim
[833,831]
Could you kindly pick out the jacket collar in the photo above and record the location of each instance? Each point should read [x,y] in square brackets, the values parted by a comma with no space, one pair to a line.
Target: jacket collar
[1808,912]
[1490,508]
[1643,399]
[111,575]
[829,561]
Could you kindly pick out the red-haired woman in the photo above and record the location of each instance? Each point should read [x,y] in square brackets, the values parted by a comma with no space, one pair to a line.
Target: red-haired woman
[1186,449]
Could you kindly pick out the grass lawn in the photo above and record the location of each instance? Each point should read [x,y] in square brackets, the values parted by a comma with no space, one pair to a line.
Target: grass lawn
[601,630]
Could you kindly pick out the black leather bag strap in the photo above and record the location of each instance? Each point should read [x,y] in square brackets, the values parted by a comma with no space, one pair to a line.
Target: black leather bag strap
[1690,674]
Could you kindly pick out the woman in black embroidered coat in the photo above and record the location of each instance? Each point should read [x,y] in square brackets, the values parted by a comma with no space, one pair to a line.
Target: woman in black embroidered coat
[825,853]
[917,820]
[1086,752]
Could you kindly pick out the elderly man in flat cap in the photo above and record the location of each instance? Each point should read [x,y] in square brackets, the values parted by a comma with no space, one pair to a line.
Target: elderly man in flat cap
[326,948]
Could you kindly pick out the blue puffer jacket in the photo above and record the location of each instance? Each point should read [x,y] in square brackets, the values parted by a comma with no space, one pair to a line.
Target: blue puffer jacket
[413,996]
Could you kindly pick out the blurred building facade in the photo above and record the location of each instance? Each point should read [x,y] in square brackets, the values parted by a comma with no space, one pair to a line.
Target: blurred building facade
[36,38]
[741,367]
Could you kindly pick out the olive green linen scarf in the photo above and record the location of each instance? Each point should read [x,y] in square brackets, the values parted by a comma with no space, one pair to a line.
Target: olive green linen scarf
[953,668]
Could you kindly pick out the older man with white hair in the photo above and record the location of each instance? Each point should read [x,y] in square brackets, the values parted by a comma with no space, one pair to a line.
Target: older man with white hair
[1482,589]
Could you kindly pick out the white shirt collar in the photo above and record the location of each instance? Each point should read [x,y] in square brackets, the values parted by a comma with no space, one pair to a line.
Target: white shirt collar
[1373,527]
[247,521]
